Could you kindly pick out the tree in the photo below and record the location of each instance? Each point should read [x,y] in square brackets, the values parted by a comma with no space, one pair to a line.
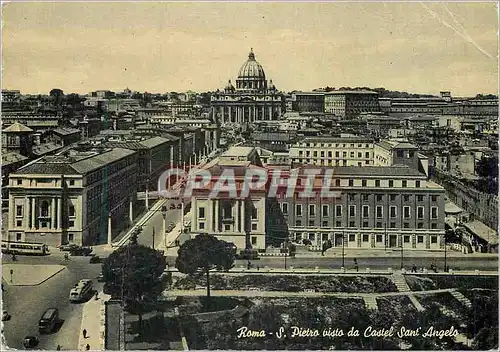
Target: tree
[57,96]
[133,273]
[204,253]
[133,240]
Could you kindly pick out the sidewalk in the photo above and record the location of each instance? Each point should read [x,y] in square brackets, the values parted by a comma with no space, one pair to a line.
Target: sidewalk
[374,253]
[93,322]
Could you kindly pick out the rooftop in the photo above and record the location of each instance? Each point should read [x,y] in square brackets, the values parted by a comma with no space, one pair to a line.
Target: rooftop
[12,158]
[238,152]
[351,92]
[17,127]
[65,131]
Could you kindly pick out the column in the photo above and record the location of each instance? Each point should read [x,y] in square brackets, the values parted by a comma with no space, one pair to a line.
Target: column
[109,230]
[147,199]
[262,112]
[211,227]
[270,113]
[59,213]
[26,214]
[131,211]
[254,110]
[53,214]
[243,219]
[238,216]
[33,213]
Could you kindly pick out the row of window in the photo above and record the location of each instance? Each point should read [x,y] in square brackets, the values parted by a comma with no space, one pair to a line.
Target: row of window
[44,210]
[227,212]
[365,211]
[329,154]
[380,198]
[364,238]
[331,145]
[364,224]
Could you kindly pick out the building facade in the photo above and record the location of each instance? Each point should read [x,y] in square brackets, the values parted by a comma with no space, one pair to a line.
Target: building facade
[348,104]
[308,101]
[253,98]
[80,197]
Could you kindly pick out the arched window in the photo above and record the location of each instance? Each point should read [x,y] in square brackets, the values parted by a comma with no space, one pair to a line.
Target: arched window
[44,209]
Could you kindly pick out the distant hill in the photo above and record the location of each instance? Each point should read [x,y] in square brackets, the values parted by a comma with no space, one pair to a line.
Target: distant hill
[383,93]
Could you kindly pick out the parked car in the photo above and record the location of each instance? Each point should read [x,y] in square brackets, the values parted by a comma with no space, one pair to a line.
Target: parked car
[95,259]
[5,316]
[172,206]
[30,342]
[81,251]
[67,247]
[247,254]
[179,206]
[100,278]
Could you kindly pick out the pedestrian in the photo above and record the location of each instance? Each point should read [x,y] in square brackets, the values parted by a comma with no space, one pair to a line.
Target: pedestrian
[84,333]
[96,295]
[87,348]
[58,348]
[414,268]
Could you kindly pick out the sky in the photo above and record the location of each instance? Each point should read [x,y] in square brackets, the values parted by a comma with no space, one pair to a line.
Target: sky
[163,47]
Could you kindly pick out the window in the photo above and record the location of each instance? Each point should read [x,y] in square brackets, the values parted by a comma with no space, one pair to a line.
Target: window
[406,198]
[393,197]
[298,223]
[391,183]
[417,184]
[420,225]
[44,210]
[324,223]
[312,236]
[337,154]
[254,227]
[379,211]
[19,223]
[405,184]
[325,209]
[406,212]
[406,239]
[352,238]
[254,213]
[406,225]
[71,237]
[201,225]
[400,153]
[311,223]
[312,210]
[367,155]
[433,226]
[19,236]
[420,198]
[71,210]
[352,210]
[392,211]
[337,183]
[19,210]
[298,209]
[366,211]
[352,224]
[365,238]
[434,239]
[392,225]
[338,224]
[365,197]
[19,182]
[378,225]
[377,183]
[380,197]
[352,154]
[338,210]
[351,183]
[329,154]
[254,239]
[434,198]
[71,182]
[360,155]
[365,223]
[363,183]
[227,227]
[378,238]
[71,223]
[420,239]
[420,212]
[284,208]
[201,212]
[434,212]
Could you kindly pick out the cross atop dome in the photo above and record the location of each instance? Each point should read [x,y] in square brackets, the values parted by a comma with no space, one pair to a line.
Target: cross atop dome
[251,56]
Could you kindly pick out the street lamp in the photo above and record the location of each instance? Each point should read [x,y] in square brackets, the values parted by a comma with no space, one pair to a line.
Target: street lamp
[153,237]
[402,251]
[445,266]
[164,213]
[343,250]
[385,236]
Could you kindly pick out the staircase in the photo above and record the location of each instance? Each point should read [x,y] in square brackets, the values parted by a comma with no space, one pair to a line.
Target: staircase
[400,282]
[416,303]
[370,302]
[461,298]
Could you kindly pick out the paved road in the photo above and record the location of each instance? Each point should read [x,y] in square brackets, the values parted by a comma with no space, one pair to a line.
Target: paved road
[26,304]
[156,222]
[380,263]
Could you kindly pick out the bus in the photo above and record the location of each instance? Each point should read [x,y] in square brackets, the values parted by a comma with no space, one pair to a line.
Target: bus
[81,291]
[11,247]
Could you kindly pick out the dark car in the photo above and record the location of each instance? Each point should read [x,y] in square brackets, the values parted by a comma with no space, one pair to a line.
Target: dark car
[48,320]
[179,206]
[81,251]
[247,254]
[172,206]
[100,278]
[68,247]
[30,342]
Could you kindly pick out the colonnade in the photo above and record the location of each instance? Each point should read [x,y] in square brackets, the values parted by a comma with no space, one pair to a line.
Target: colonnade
[242,114]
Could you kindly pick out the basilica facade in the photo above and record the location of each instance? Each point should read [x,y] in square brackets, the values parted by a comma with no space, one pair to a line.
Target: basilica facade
[253,98]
